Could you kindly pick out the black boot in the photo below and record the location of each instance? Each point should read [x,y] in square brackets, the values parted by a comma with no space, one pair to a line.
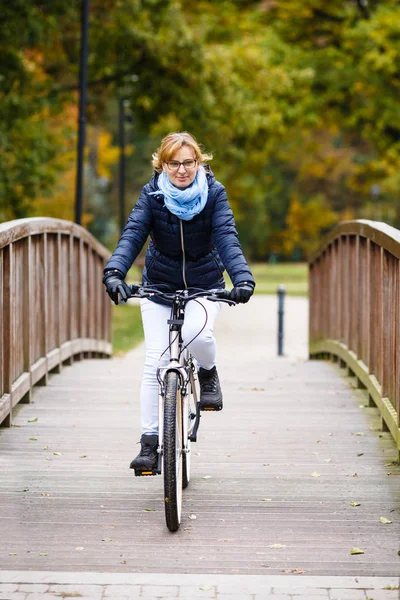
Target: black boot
[147,458]
[210,389]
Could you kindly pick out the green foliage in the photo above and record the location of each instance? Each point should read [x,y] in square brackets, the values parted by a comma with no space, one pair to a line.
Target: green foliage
[298,101]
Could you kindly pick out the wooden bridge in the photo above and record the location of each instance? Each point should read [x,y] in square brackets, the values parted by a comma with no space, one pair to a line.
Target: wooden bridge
[300,468]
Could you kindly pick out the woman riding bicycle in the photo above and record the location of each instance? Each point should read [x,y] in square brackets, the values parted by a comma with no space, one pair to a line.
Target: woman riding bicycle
[193,238]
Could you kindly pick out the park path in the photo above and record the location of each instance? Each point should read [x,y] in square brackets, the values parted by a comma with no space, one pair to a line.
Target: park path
[273,477]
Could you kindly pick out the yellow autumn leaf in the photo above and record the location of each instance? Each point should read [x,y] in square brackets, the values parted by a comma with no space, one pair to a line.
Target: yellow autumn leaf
[357,551]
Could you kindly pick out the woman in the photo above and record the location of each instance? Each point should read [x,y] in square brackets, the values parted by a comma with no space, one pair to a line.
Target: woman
[192,239]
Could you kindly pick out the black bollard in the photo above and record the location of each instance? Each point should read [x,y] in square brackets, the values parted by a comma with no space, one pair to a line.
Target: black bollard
[281,300]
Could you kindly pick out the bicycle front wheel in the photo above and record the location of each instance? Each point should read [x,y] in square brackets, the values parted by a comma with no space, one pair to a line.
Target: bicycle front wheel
[172,451]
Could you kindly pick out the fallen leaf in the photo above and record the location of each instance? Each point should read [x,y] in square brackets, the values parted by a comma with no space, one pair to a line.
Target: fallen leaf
[359,433]
[192,517]
[266,499]
[316,453]
[357,551]
[12,554]
[83,456]
[315,474]
[33,420]
[45,494]
[294,571]
[33,438]
[57,453]
[43,554]
[360,454]
[150,509]
[206,477]
[80,548]
[25,490]
[277,546]
[384,520]
[355,503]
[355,475]
[327,460]
[205,588]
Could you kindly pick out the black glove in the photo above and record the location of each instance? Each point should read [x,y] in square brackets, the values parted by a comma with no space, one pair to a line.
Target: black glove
[242,293]
[115,284]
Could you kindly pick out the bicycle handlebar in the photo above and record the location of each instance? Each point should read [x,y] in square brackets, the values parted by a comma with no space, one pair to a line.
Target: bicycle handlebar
[216,295]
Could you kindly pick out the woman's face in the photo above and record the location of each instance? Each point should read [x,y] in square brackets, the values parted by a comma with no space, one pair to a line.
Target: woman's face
[183,175]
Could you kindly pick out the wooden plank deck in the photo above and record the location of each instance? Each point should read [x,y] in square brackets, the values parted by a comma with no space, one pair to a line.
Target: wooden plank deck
[68,501]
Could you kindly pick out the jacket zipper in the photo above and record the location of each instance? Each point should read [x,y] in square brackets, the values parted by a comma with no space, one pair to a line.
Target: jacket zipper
[183,254]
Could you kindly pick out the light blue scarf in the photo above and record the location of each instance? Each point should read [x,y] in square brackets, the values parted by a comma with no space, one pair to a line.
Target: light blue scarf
[186,203]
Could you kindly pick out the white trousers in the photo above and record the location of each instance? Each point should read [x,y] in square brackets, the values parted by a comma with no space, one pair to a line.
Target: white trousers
[200,315]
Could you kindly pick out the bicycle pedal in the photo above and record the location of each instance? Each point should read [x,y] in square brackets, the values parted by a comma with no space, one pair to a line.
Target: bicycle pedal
[145,473]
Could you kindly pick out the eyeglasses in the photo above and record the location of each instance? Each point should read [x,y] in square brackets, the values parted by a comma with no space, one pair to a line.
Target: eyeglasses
[174,165]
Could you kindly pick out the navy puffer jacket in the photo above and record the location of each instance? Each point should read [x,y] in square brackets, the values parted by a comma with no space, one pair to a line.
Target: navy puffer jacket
[183,253]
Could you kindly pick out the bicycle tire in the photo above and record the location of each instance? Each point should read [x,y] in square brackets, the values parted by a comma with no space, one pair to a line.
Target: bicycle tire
[172,451]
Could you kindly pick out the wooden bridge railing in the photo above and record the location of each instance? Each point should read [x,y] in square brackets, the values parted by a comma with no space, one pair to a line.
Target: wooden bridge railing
[52,304]
[355,309]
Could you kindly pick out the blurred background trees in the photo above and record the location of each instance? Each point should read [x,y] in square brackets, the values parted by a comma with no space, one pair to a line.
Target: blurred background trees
[297,100]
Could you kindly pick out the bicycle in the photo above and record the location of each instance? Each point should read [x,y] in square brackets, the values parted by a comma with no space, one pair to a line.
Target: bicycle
[178,404]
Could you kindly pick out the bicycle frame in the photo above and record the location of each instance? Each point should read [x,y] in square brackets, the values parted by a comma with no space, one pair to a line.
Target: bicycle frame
[182,362]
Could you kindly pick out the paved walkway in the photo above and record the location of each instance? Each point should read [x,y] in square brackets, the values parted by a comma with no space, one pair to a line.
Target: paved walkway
[268,512]
[132,586]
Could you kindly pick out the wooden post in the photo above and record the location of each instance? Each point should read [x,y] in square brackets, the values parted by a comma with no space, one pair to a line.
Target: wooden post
[7,334]
[27,287]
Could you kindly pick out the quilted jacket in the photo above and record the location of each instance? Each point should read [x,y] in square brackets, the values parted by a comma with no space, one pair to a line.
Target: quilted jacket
[181,253]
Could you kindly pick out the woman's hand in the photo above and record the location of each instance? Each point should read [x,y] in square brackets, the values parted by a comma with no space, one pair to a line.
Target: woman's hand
[242,293]
[115,284]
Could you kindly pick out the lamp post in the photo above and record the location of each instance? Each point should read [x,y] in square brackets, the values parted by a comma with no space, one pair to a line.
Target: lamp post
[121,180]
[82,110]
[125,116]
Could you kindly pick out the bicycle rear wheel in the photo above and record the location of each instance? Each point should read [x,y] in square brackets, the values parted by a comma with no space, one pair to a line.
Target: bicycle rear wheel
[193,396]
[172,451]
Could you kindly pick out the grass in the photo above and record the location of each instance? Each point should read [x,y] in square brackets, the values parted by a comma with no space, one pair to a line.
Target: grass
[294,276]
[127,329]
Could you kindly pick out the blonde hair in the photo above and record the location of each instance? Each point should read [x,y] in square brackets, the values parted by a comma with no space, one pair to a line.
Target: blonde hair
[174,142]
